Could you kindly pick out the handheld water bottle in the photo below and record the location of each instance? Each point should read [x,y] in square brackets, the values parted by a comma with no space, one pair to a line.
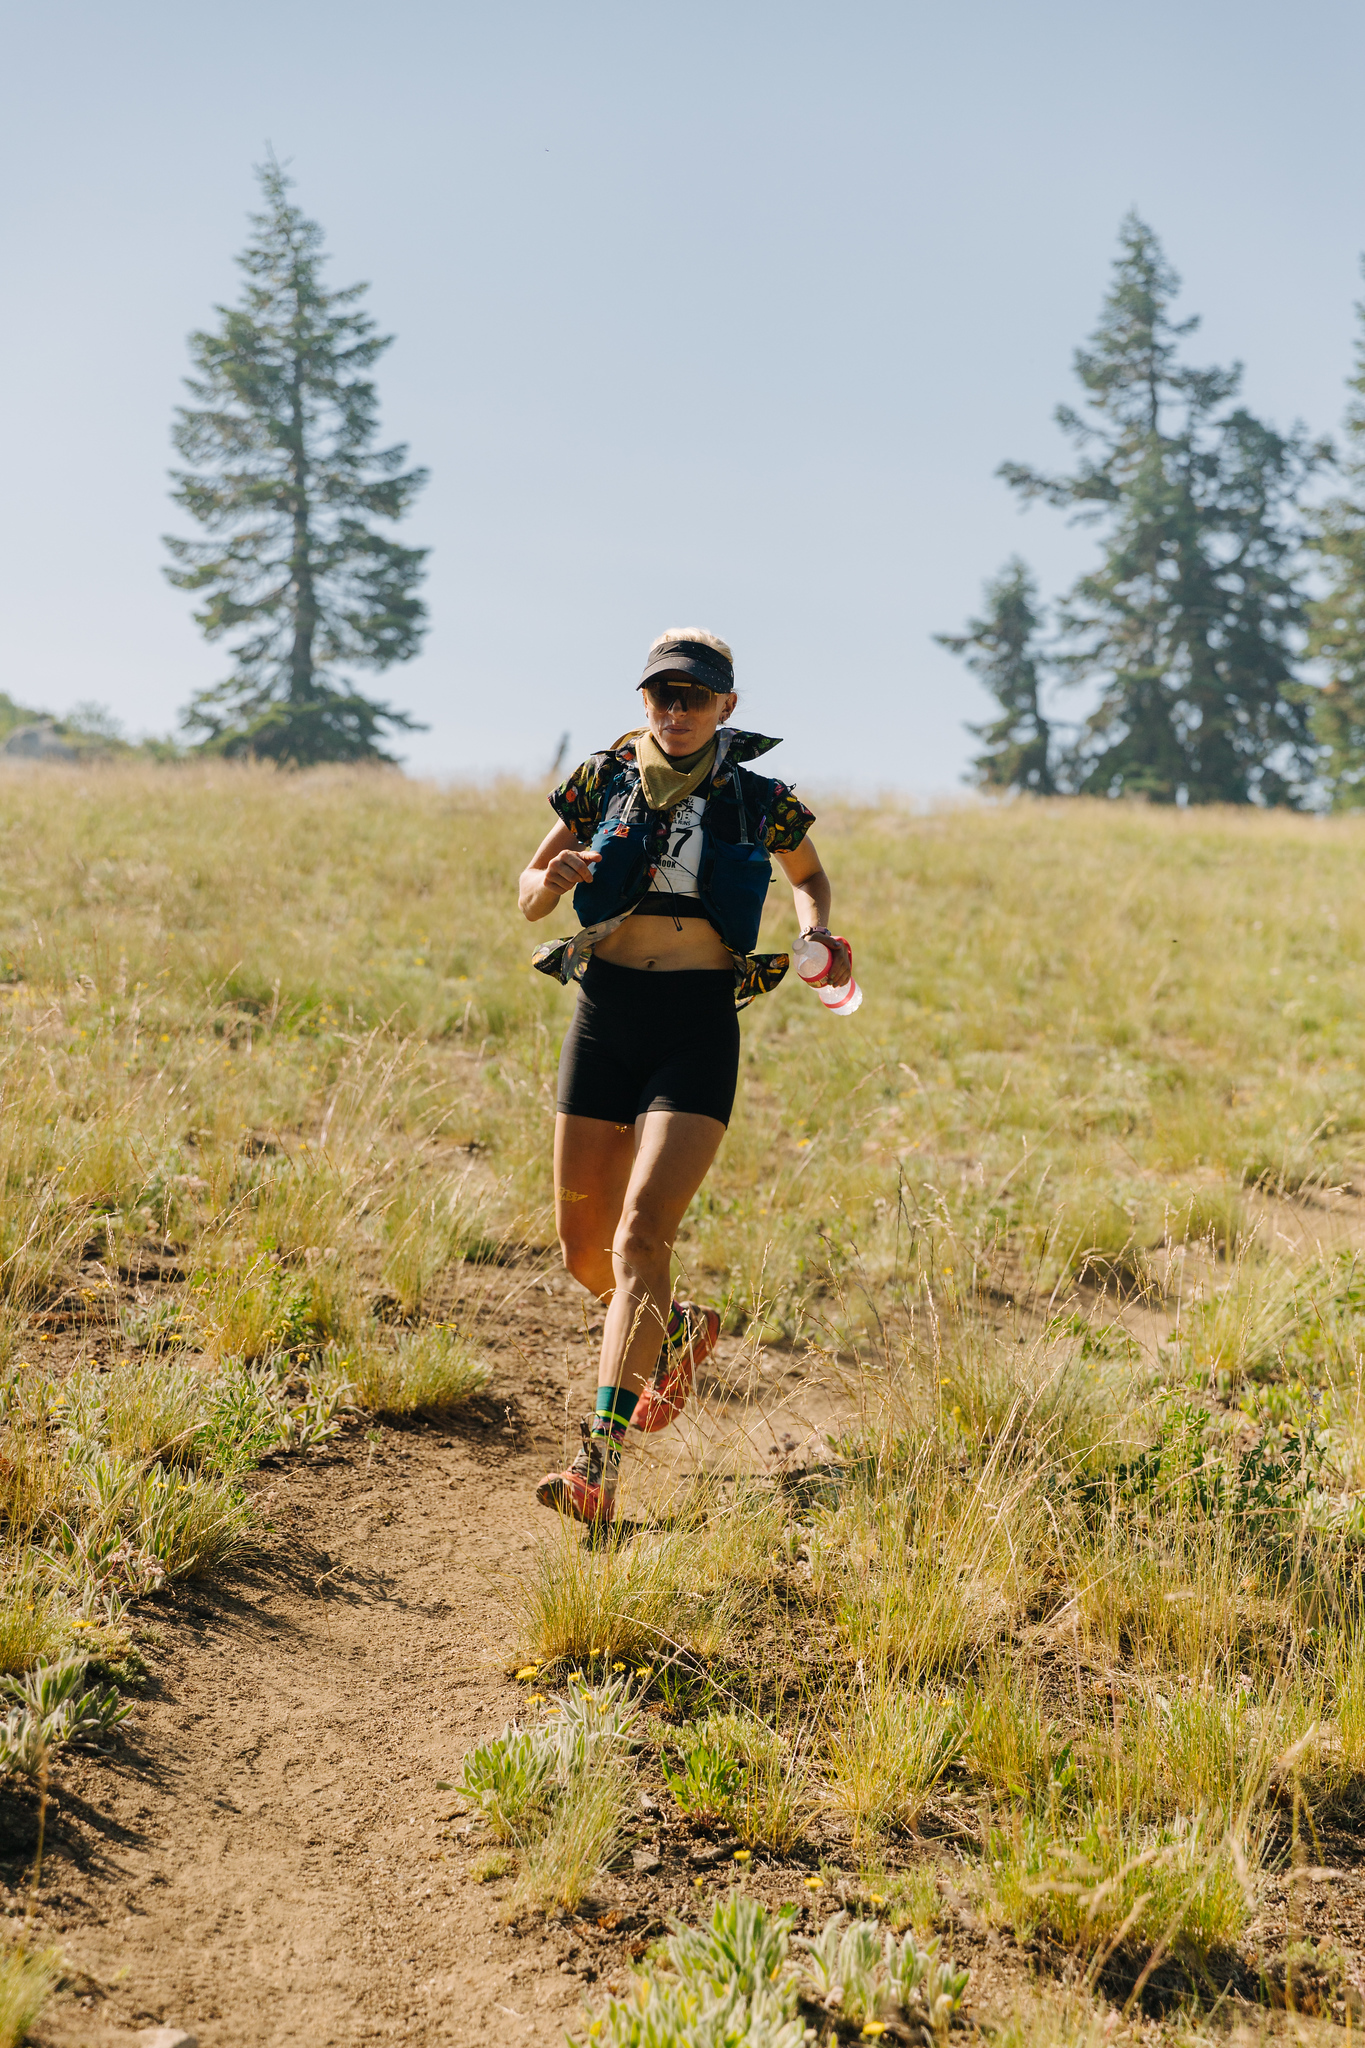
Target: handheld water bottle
[812,959]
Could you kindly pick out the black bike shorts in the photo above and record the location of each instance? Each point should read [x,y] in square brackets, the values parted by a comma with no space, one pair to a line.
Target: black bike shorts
[642,1040]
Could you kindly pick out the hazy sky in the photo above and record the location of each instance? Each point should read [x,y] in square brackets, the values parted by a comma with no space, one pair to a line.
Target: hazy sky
[716,314]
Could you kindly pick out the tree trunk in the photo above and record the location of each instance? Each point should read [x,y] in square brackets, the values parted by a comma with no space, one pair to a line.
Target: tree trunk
[301,556]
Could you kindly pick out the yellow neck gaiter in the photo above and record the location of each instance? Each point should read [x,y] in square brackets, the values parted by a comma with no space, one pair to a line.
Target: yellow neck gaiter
[667,781]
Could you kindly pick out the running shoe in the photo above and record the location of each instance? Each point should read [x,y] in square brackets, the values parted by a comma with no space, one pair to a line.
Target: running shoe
[665,1396]
[587,1491]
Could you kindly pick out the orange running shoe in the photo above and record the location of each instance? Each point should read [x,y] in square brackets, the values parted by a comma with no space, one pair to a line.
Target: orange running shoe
[665,1396]
[587,1490]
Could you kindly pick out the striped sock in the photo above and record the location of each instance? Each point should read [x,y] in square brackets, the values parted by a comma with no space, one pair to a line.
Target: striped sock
[615,1406]
[677,1324]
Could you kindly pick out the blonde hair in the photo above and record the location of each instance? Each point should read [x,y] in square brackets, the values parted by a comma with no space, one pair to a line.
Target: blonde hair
[692,633]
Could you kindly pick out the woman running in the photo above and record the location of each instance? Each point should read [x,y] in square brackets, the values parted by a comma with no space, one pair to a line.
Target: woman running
[664,840]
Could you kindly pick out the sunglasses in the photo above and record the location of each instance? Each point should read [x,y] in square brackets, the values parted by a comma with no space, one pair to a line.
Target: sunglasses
[665,696]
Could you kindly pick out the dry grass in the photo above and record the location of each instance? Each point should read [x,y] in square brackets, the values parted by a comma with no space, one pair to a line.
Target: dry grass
[888,1751]
[1057,1208]
[558,1868]
[427,1372]
[27,1980]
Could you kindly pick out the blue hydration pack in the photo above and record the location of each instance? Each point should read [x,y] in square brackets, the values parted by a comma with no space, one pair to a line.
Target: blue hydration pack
[734,871]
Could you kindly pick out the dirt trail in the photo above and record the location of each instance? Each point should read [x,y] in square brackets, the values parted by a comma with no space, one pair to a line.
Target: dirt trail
[269,1858]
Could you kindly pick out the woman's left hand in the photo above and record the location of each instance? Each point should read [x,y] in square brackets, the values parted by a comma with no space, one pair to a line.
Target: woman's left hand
[841,955]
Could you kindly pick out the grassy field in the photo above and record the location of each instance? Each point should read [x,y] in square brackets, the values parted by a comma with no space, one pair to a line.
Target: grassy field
[1069,1209]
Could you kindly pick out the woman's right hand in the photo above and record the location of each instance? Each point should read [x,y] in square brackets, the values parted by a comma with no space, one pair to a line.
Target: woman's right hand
[568,869]
[560,864]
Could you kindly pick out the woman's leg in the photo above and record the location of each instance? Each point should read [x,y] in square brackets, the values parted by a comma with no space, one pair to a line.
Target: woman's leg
[673,1154]
[593,1162]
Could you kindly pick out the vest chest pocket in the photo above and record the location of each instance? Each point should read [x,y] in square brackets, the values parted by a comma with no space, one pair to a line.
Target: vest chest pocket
[734,884]
[619,876]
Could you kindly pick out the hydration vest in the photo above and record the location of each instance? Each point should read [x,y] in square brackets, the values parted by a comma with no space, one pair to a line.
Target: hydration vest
[735,869]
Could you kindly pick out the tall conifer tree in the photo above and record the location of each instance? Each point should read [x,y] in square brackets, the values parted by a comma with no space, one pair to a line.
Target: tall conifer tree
[1002,650]
[1192,621]
[1338,617]
[287,479]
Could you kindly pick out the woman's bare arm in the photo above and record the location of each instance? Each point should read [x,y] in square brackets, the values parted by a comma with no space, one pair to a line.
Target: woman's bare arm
[558,866]
[812,895]
[555,867]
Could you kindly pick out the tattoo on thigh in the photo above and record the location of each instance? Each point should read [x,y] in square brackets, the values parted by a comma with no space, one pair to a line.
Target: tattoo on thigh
[568,1195]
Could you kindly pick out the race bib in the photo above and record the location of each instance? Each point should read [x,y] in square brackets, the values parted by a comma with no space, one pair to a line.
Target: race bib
[678,867]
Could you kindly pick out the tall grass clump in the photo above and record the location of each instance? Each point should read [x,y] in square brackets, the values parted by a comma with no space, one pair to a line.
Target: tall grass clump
[427,1371]
[889,1748]
[1180,1887]
[558,1791]
[683,1587]
[924,1564]
[581,1602]
[735,1769]
[28,1979]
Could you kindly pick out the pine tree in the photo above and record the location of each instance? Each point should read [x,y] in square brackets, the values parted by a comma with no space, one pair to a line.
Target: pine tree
[1192,622]
[1337,619]
[1001,649]
[287,479]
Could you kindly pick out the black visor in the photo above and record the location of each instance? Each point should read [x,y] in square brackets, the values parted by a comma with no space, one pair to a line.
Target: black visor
[693,659]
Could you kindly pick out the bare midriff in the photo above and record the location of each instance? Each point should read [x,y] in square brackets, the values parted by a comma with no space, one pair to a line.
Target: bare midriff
[655,943]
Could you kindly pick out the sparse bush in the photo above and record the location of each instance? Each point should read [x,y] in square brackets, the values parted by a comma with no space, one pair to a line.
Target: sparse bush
[732,1982]
[735,1769]
[864,1975]
[511,1778]
[744,1945]
[660,2013]
[188,1523]
[559,1867]
[153,1326]
[706,1783]
[29,1628]
[250,1313]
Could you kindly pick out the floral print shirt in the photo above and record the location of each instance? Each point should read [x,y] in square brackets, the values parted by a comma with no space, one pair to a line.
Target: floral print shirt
[578,801]
[784,822]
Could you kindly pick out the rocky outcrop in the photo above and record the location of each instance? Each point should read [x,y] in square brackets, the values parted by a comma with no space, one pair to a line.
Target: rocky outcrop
[38,742]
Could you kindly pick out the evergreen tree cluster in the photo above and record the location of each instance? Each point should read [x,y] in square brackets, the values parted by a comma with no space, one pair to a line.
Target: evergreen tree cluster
[1195,637]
